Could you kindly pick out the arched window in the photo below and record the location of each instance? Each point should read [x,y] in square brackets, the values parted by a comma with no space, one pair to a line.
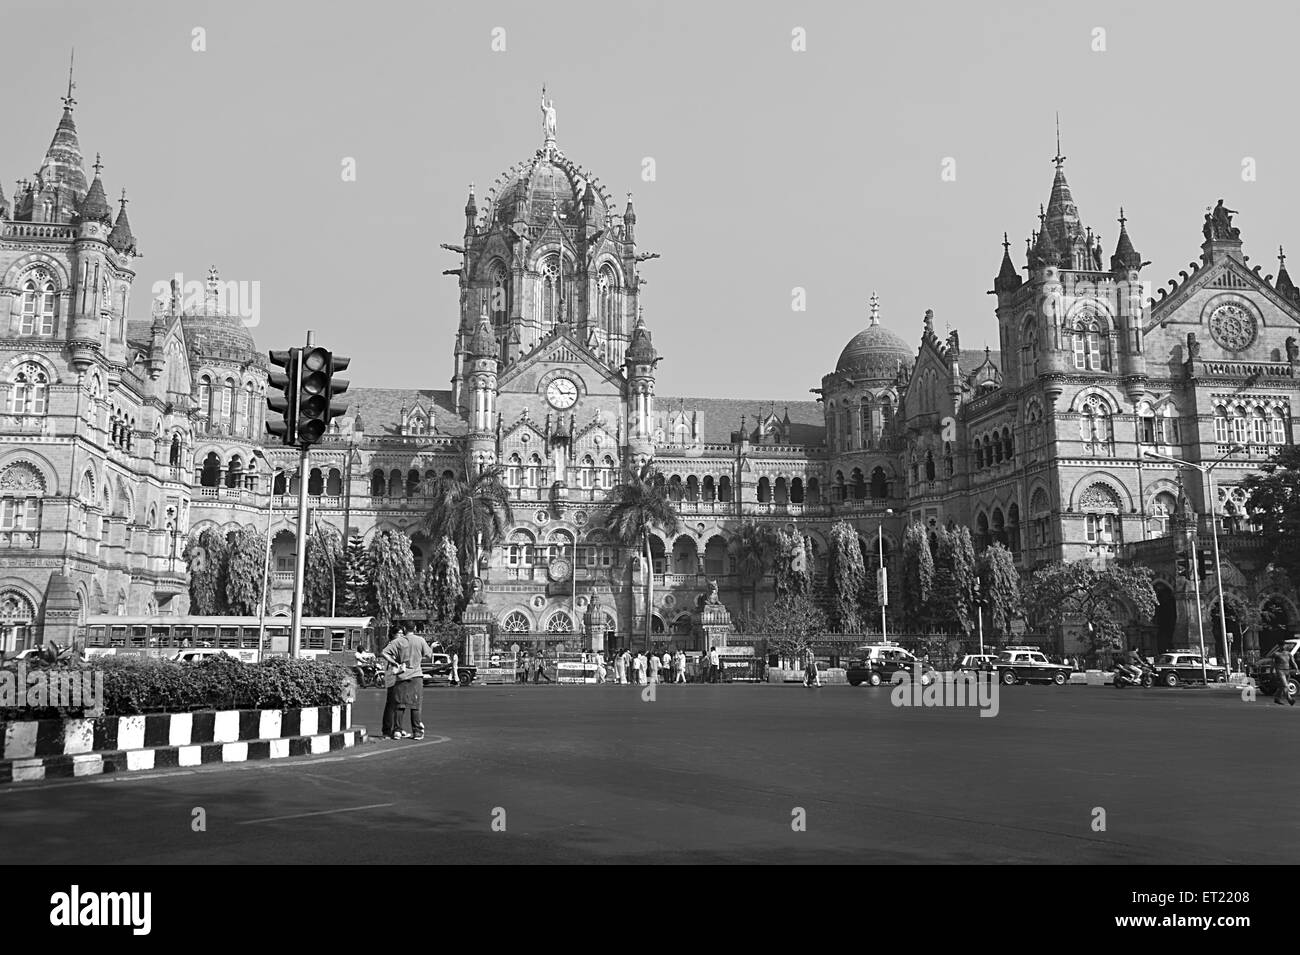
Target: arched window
[559,622]
[28,390]
[1278,423]
[929,466]
[796,490]
[334,483]
[22,487]
[1101,507]
[864,422]
[1094,424]
[724,489]
[1008,444]
[394,483]
[235,472]
[412,482]
[205,397]
[1220,424]
[1028,352]
[210,475]
[1238,426]
[247,412]
[607,472]
[553,291]
[998,526]
[1040,512]
[586,473]
[1163,507]
[378,483]
[535,473]
[417,557]
[513,467]
[675,488]
[315,483]
[841,490]
[228,401]
[607,301]
[1258,426]
[764,490]
[174,456]
[859,485]
[1013,528]
[515,622]
[692,488]
[981,532]
[1091,345]
[37,316]
[499,296]
[879,484]
[707,489]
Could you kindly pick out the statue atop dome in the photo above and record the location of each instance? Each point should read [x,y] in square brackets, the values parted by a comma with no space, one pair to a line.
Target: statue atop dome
[548,117]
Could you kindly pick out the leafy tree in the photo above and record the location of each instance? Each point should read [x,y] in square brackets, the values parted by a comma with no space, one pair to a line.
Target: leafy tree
[793,576]
[1081,593]
[358,598]
[245,572]
[964,577]
[439,590]
[999,586]
[848,576]
[791,623]
[392,574]
[918,574]
[1273,503]
[323,579]
[755,548]
[205,556]
[636,506]
[473,511]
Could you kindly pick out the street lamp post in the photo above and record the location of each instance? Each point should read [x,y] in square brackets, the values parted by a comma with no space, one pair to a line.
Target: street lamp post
[882,576]
[1207,471]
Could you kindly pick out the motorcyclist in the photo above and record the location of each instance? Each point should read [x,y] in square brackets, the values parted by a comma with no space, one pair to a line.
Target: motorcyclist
[1133,663]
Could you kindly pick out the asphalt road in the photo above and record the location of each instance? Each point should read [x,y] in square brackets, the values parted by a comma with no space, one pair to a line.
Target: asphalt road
[720,774]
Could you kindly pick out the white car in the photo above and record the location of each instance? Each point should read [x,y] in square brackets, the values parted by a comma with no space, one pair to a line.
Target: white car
[199,654]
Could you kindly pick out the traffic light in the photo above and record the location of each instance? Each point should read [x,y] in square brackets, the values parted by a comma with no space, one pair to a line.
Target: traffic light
[285,403]
[317,387]
[882,586]
[1183,563]
[1206,566]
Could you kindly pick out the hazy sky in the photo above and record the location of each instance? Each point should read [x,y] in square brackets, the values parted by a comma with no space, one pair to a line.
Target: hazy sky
[775,169]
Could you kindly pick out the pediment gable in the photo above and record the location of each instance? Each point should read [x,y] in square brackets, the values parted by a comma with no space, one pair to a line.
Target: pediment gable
[561,347]
[1228,275]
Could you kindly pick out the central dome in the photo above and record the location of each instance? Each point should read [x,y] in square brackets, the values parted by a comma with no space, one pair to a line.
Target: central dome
[543,184]
[874,352]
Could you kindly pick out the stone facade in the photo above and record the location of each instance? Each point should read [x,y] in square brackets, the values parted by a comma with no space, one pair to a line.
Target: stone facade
[148,430]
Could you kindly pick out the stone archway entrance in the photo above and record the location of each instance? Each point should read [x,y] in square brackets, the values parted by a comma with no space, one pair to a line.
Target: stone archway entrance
[1166,617]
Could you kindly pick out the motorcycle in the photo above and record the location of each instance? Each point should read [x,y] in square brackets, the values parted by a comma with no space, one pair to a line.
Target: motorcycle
[1129,675]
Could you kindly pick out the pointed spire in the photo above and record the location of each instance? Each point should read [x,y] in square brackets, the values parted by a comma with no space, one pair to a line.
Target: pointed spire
[471,208]
[1284,285]
[95,204]
[68,101]
[63,162]
[1062,214]
[1126,258]
[1008,279]
[875,308]
[121,238]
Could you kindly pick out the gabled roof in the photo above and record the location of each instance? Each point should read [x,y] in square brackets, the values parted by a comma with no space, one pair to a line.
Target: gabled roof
[380,409]
[719,418]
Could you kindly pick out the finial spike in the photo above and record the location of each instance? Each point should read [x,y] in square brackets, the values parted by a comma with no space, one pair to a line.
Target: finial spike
[68,101]
[875,308]
[1281,257]
[98,165]
[1058,158]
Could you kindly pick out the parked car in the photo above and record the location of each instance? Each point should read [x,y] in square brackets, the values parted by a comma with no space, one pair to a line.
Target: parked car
[437,670]
[876,663]
[199,654]
[1030,665]
[1184,666]
[1263,673]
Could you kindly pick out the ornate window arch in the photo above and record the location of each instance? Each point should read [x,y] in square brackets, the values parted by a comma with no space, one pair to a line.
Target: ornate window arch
[29,390]
[608,298]
[1091,339]
[516,622]
[22,489]
[559,622]
[553,290]
[1163,507]
[498,304]
[1095,424]
[1028,351]
[39,298]
[1100,504]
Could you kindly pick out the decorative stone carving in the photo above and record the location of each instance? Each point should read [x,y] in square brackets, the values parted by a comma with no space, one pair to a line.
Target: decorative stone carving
[1099,497]
[1233,327]
[22,477]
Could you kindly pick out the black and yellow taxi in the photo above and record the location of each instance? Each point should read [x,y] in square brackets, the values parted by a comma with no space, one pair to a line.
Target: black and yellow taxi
[1185,666]
[877,663]
[1029,665]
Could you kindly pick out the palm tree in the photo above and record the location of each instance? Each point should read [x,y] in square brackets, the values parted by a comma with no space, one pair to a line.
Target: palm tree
[638,505]
[753,549]
[473,511]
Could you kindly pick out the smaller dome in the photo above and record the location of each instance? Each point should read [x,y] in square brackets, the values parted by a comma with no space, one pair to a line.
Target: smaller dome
[218,335]
[874,352]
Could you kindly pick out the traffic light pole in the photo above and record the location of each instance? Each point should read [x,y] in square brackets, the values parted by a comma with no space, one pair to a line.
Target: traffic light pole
[1195,563]
[300,561]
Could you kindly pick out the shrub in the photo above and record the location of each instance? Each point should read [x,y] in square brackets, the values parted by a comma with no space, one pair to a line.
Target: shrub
[134,685]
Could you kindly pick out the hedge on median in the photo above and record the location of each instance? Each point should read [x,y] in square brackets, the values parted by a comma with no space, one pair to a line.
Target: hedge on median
[133,685]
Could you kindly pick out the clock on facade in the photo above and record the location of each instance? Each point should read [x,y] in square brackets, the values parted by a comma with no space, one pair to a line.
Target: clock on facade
[562,393]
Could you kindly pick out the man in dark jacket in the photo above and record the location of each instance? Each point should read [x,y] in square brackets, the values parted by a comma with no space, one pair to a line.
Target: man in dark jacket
[1283,670]
[404,654]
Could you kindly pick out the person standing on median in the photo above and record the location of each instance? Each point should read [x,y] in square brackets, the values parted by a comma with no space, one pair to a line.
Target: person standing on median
[679,666]
[715,676]
[404,654]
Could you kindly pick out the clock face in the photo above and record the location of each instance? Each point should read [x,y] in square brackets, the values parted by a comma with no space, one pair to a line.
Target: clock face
[562,393]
